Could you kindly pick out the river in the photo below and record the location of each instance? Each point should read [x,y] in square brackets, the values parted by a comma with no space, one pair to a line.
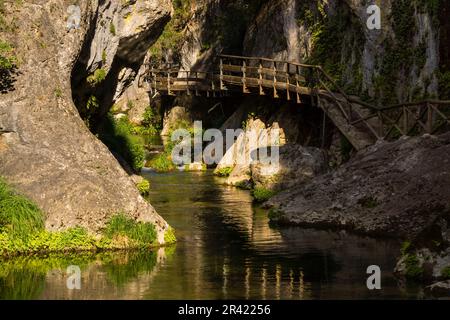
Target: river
[226,250]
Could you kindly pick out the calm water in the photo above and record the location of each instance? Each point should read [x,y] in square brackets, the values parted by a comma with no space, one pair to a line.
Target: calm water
[226,250]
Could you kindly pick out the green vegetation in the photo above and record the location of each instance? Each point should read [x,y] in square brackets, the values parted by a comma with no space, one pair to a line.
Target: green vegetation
[169,236]
[112,28]
[19,217]
[413,269]
[335,38]
[261,194]
[58,93]
[97,77]
[119,136]
[445,273]
[144,187]
[22,230]
[163,162]
[121,228]
[7,57]
[150,125]
[275,214]
[172,35]
[224,172]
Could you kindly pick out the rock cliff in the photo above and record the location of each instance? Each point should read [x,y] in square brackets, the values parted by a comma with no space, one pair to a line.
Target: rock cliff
[46,150]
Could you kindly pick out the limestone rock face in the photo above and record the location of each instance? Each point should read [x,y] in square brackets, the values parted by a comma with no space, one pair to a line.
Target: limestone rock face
[48,153]
[297,166]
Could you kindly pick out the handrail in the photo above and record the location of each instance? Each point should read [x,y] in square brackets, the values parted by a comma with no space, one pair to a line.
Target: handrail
[241,72]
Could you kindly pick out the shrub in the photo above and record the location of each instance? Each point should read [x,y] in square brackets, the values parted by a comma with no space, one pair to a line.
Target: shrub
[261,194]
[162,163]
[144,187]
[224,172]
[97,77]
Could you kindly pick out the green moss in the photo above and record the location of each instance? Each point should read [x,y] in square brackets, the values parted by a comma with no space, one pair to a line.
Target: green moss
[445,273]
[112,28]
[261,194]
[144,187]
[413,269]
[169,236]
[224,172]
[275,214]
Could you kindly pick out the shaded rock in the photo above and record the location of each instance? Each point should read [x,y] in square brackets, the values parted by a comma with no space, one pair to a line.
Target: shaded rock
[396,189]
[439,289]
[297,165]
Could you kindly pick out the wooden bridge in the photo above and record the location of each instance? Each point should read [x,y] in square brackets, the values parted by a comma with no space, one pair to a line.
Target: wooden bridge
[361,123]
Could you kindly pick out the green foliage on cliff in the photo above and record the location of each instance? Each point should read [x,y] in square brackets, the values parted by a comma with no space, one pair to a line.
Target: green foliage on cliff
[119,136]
[172,35]
[335,37]
[445,273]
[122,228]
[97,77]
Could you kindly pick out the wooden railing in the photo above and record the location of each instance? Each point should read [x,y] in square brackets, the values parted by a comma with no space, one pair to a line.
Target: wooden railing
[291,81]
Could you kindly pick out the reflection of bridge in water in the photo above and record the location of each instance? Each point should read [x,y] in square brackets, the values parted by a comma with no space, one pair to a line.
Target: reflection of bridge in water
[361,123]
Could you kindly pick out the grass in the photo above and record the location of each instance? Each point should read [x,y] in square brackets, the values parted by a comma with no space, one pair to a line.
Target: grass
[120,227]
[169,236]
[261,194]
[18,216]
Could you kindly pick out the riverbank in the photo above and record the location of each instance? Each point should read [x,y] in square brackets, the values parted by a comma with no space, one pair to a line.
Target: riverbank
[397,190]
[22,231]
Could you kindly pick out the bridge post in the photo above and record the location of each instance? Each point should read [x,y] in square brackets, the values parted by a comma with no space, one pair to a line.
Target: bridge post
[381,125]
[275,94]
[260,73]
[288,93]
[405,120]
[222,87]
[429,118]
[244,77]
[213,86]
[188,91]
[196,85]
[297,89]
[168,84]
